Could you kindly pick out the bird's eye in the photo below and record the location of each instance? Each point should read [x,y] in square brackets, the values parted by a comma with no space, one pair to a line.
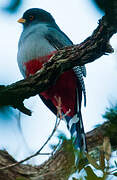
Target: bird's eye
[31,18]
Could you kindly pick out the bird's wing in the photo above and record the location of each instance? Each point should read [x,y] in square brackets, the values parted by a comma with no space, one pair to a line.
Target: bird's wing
[58,39]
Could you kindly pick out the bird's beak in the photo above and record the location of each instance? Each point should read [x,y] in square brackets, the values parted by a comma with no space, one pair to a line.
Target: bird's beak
[21,20]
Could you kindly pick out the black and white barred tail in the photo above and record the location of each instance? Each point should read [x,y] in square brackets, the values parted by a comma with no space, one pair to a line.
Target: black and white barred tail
[80,71]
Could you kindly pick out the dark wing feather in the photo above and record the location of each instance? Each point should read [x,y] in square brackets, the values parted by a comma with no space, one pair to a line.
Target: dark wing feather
[57,38]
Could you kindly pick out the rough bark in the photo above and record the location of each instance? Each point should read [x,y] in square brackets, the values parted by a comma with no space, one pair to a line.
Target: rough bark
[61,164]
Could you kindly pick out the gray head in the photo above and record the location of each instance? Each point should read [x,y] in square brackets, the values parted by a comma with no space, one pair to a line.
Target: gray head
[36,15]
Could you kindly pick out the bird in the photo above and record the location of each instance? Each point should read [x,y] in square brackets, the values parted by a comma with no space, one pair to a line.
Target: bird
[40,39]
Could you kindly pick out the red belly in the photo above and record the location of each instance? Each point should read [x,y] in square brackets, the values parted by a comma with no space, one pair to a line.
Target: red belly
[65,87]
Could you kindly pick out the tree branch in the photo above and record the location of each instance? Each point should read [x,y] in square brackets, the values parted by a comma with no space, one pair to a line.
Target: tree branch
[89,50]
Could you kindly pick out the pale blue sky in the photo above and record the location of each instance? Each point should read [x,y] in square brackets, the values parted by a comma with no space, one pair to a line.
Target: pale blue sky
[77,19]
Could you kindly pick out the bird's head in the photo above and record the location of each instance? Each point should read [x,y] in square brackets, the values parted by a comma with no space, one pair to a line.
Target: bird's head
[34,16]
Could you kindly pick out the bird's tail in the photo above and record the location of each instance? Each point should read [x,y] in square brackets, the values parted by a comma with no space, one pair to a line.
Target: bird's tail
[76,128]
